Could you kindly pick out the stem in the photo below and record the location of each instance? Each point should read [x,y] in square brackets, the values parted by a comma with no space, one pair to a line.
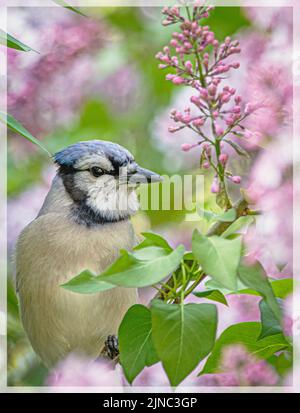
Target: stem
[221,174]
[242,209]
[195,284]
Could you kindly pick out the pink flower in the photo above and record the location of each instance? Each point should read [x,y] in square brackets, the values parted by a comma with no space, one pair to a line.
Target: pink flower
[80,371]
[248,370]
[187,147]
[223,158]
[219,130]
[215,188]
[236,179]
[177,80]
[68,46]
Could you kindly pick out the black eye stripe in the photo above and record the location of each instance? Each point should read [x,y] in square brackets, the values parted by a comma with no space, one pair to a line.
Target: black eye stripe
[96,171]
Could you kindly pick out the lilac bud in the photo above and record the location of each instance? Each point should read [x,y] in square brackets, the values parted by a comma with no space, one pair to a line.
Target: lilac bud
[223,158]
[198,122]
[177,80]
[219,130]
[172,129]
[165,59]
[206,165]
[195,100]
[249,108]
[186,119]
[207,148]
[236,179]
[189,67]
[212,90]
[185,147]
[215,188]
[187,45]
[169,76]
[238,99]
[236,109]
[235,65]
[229,121]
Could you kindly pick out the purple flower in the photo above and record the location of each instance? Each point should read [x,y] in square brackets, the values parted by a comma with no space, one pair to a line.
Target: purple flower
[248,370]
[80,371]
[41,85]
[216,109]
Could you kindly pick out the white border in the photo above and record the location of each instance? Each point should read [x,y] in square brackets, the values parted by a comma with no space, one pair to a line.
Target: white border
[3,210]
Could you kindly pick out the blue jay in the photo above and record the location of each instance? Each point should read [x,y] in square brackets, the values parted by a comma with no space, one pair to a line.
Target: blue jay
[83,223]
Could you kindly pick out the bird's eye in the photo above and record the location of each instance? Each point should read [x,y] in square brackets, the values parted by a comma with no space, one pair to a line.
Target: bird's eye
[96,171]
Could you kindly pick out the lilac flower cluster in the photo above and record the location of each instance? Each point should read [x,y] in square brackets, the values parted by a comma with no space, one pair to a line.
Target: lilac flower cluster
[240,368]
[40,84]
[220,110]
[246,369]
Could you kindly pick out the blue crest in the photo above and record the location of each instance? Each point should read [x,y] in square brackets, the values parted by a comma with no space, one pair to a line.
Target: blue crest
[82,150]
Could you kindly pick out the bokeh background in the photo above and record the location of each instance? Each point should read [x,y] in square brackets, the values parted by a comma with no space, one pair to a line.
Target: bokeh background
[97,78]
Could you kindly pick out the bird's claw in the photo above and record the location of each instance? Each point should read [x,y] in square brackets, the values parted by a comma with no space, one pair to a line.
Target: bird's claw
[112,347]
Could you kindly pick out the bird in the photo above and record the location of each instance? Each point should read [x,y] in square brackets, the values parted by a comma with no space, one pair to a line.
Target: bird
[84,222]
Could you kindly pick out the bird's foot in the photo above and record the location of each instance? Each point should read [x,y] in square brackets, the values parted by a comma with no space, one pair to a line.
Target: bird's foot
[112,347]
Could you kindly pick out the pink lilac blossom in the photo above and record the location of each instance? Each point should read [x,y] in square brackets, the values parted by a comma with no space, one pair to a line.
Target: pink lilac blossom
[269,50]
[220,111]
[240,368]
[272,18]
[45,89]
[80,371]
[271,189]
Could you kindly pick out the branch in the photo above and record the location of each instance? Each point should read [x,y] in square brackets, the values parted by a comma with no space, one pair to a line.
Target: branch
[242,209]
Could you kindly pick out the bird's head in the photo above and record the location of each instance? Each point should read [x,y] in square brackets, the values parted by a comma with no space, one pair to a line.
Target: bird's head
[101,178]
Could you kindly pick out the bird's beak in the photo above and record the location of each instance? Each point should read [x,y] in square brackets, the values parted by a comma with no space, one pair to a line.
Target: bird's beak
[144,176]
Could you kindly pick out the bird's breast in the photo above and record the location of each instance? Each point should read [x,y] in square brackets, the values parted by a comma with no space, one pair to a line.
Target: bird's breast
[52,250]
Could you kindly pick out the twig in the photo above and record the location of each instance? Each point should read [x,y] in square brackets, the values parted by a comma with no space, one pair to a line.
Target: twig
[242,209]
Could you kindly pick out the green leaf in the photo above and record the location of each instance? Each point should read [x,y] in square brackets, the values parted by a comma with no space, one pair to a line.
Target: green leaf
[240,223]
[214,295]
[143,268]
[269,322]
[86,283]
[282,363]
[13,43]
[151,240]
[135,341]
[282,288]
[245,334]
[188,256]
[182,335]
[227,216]
[214,285]
[239,150]
[255,278]
[218,257]
[67,6]
[16,126]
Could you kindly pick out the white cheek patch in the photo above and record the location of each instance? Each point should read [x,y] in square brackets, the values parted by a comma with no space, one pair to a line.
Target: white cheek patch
[110,200]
